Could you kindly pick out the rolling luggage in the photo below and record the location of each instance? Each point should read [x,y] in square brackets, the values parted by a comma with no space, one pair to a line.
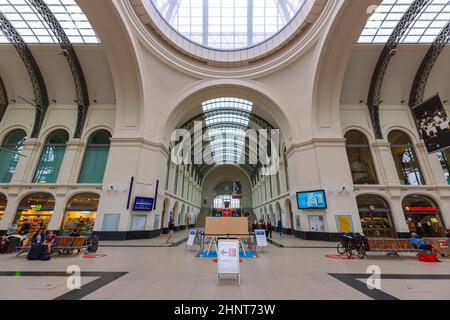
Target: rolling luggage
[36,251]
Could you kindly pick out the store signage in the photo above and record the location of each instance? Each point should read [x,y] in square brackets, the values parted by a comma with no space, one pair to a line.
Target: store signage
[228,257]
[421,209]
[261,240]
[37,207]
[191,239]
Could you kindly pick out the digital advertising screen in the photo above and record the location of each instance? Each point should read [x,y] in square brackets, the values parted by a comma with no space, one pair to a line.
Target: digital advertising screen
[433,123]
[311,200]
[143,204]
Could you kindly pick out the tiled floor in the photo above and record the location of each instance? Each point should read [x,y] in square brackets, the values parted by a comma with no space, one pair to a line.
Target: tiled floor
[176,273]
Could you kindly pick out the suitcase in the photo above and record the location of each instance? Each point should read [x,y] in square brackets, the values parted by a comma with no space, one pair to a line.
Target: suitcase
[36,251]
[427,257]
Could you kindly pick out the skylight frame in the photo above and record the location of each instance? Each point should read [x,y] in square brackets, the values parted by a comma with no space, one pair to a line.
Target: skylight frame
[423,30]
[232,32]
[34,30]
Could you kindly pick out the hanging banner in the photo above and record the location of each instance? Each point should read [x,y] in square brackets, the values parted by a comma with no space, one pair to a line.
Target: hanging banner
[433,124]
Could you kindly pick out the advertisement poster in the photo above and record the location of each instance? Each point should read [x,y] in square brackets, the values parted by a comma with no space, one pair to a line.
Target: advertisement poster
[344,224]
[261,240]
[316,223]
[433,124]
[237,190]
[228,256]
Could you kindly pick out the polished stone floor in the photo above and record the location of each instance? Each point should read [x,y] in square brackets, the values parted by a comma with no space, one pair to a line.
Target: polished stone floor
[143,270]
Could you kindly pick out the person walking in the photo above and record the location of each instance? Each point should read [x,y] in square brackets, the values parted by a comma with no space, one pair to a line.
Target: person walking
[171,231]
[280,228]
[269,228]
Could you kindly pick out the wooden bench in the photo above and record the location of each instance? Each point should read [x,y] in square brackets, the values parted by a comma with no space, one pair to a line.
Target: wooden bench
[391,246]
[64,245]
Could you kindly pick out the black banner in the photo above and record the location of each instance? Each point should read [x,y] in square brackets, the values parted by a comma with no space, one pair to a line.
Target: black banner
[433,124]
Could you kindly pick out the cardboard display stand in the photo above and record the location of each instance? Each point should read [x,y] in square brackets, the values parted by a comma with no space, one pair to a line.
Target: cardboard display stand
[228,259]
[226,227]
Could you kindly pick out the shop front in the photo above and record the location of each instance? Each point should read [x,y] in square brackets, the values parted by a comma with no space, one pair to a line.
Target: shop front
[423,216]
[80,214]
[3,202]
[376,218]
[37,208]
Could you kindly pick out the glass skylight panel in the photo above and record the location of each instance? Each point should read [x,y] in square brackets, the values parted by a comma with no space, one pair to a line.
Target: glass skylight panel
[228,24]
[33,28]
[226,128]
[427,25]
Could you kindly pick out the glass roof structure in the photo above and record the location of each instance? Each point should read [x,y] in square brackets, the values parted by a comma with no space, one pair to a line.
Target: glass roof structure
[424,29]
[227,130]
[33,28]
[228,24]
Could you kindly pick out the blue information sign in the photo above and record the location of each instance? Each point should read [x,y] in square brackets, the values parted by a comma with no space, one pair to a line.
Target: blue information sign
[143,204]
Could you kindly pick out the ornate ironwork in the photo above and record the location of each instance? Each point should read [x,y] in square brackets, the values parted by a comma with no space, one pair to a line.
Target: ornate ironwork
[420,82]
[37,81]
[3,99]
[72,59]
[389,50]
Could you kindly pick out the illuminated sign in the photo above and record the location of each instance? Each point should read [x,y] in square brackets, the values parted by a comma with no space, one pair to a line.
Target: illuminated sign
[421,209]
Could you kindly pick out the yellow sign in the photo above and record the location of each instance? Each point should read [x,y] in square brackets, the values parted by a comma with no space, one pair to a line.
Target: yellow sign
[345,224]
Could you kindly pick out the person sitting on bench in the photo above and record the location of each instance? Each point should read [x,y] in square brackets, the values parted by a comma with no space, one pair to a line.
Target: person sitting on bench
[50,240]
[419,243]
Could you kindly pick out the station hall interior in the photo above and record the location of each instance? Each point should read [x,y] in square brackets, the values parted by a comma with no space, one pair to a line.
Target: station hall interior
[136,121]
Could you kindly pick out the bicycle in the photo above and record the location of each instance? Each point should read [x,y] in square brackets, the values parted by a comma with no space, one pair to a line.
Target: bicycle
[351,245]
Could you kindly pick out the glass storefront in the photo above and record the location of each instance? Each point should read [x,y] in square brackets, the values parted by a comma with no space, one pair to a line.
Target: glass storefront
[37,208]
[423,216]
[3,202]
[80,215]
[375,216]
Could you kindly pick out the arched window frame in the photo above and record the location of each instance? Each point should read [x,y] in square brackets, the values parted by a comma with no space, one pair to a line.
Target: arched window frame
[372,177]
[407,176]
[10,154]
[49,150]
[91,148]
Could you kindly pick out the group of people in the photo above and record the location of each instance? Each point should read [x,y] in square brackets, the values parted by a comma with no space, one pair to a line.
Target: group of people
[40,237]
[267,226]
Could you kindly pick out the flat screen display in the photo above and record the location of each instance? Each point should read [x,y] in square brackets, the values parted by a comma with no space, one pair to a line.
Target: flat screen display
[143,204]
[311,200]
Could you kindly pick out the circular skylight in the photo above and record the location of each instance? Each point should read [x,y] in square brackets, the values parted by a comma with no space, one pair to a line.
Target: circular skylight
[228,24]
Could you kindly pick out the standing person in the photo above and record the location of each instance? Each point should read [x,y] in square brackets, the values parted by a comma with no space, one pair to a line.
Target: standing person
[263,226]
[280,228]
[171,231]
[269,228]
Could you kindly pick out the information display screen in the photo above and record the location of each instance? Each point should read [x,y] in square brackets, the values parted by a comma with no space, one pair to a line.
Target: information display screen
[143,204]
[311,200]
